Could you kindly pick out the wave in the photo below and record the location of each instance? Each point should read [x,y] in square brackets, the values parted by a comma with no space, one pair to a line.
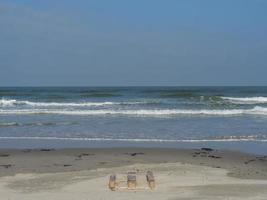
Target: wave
[5,102]
[7,124]
[159,112]
[13,102]
[4,124]
[246,100]
[102,95]
[136,139]
[180,94]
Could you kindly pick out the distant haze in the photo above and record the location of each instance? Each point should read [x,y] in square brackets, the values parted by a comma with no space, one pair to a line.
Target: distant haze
[133,43]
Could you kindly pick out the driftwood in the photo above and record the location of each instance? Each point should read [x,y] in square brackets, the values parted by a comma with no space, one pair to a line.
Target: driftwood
[150,179]
[131,180]
[112,182]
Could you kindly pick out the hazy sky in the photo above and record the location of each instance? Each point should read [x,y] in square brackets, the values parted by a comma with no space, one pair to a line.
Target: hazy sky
[133,42]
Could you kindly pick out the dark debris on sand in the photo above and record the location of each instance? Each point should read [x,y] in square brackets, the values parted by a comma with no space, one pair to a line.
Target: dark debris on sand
[47,149]
[258,158]
[6,166]
[85,154]
[207,149]
[135,154]
[205,152]
[4,155]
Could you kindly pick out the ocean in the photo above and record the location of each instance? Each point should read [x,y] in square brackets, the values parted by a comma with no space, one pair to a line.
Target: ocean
[175,117]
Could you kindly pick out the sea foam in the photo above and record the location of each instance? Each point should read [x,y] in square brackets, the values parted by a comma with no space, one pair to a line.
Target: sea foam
[246,100]
[13,102]
[140,112]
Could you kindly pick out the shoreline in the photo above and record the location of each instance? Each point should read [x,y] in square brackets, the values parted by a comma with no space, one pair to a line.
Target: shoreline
[241,165]
[250,147]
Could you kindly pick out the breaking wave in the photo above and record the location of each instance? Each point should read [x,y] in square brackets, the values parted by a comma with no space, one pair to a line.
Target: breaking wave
[8,124]
[5,124]
[13,102]
[246,100]
[142,112]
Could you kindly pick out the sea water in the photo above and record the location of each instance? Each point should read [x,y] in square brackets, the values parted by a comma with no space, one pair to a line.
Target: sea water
[223,117]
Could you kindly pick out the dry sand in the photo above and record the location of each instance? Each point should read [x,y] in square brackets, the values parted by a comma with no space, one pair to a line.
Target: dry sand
[82,174]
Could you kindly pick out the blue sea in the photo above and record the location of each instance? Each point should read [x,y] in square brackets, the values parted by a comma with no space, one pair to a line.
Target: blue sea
[177,117]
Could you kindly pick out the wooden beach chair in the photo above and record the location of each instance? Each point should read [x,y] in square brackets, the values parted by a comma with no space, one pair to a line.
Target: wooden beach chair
[131,180]
[150,180]
[112,182]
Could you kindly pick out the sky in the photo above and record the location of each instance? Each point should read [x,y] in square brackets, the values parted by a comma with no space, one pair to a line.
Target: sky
[133,43]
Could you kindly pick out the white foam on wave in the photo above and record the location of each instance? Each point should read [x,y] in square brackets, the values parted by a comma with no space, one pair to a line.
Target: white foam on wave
[246,100]
[136,140]
[9,124]
[7,102]
[6,124]
[50,104]
[13,102]
[141,112]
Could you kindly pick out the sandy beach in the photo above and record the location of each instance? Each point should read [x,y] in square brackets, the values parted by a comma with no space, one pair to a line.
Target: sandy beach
[84,174]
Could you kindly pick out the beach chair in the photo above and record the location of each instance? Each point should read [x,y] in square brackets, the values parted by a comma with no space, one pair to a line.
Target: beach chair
[131,180]
[150,180]
[112,182]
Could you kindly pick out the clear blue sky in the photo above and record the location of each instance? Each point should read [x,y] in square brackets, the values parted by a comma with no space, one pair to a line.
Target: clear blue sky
[133,42]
